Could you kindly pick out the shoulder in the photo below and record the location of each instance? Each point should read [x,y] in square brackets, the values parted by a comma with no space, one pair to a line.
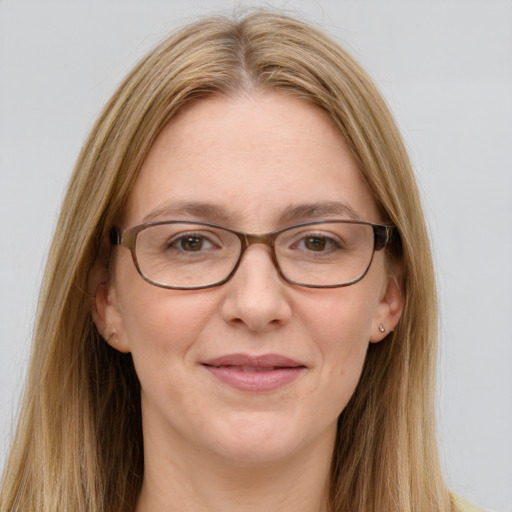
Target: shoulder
[466,506]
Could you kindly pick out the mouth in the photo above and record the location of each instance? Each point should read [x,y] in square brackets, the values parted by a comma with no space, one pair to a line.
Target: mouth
[256,374]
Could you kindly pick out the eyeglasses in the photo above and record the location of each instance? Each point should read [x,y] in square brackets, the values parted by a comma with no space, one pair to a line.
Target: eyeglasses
[184,255]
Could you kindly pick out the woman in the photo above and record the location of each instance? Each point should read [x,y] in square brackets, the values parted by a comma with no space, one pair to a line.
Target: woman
[238,311]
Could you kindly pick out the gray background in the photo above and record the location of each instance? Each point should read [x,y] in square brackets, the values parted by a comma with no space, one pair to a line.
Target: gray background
[445,68]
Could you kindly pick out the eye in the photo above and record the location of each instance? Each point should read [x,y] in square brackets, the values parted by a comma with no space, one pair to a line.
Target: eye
[191,243]
[317,243]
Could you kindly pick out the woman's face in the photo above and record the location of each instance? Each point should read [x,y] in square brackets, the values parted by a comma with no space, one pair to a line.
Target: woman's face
[206,358]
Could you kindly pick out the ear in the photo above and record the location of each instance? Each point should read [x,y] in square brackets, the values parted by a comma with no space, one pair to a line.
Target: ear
[389,308]
[105,309]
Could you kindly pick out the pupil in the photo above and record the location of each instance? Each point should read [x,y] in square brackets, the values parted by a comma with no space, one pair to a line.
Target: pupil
[315,244]
[192,243]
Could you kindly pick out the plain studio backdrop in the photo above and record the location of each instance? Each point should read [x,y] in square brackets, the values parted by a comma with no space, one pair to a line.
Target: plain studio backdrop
[445,68]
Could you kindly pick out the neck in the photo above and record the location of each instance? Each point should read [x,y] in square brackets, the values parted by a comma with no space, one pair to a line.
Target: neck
[205,483]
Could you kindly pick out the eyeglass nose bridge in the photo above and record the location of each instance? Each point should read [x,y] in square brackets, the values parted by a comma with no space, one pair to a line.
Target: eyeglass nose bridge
[246,240]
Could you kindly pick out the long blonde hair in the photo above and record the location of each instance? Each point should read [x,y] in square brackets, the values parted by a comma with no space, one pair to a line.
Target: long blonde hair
[78,444]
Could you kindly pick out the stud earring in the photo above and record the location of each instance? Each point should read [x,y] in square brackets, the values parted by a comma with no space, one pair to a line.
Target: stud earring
[382,328]
[113,334]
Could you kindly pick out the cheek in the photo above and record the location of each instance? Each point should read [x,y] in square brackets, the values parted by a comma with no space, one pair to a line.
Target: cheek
[154,319]
[163,320]
[162,331]
[339,318]
[158,326]
[340,322]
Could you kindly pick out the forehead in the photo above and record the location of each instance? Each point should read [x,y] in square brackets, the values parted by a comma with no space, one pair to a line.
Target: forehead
[249,161]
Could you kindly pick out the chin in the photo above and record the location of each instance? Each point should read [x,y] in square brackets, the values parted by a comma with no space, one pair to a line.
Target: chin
[259,440]
[251,454]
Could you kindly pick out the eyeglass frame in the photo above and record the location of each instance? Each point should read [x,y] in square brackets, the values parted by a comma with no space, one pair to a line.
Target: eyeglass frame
[382,236]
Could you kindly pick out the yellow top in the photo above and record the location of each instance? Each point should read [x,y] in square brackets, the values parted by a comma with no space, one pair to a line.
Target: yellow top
[466,506]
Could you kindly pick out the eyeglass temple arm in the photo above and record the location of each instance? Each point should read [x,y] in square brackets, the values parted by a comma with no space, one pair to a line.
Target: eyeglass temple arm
[114,235]
[383,236]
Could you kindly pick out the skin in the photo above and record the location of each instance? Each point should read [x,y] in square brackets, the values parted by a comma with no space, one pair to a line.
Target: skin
[207,445]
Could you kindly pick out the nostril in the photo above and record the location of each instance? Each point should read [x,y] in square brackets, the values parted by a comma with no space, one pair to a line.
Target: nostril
[257,311]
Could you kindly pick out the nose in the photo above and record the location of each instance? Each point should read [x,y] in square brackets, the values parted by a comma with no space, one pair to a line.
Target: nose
[257,297]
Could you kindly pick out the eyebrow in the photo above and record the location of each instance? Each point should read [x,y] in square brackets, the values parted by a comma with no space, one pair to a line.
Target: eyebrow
[172,209]
[317,210]
[215,213]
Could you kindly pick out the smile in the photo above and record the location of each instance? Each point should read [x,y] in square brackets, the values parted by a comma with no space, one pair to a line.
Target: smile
[255,374]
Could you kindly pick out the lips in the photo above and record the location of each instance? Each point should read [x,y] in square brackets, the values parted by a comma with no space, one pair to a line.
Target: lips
[257,374]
